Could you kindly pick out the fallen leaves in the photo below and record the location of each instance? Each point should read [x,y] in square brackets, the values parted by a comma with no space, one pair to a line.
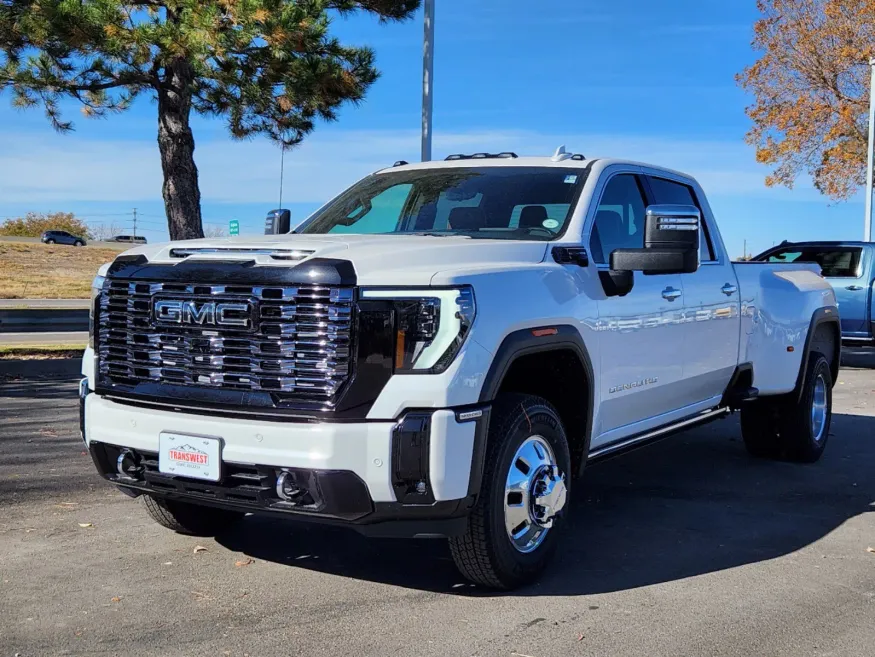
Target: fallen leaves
[115,598]
[243,562]
[870,549]
[199,548]
[85,525]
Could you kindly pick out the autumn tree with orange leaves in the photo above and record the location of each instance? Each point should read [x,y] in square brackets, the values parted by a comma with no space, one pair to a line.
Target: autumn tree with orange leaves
[811,90]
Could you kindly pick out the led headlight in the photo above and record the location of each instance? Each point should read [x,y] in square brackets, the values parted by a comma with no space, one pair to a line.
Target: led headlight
[430,326]
[96,289]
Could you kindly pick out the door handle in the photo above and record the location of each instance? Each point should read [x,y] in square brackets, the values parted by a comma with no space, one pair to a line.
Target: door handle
[854,288]
[729,289]
[671,293]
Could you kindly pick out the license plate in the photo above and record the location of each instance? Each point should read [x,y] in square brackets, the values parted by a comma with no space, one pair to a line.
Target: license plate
[199,457]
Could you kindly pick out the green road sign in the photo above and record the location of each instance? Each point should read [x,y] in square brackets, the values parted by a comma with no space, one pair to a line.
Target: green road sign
[234,227]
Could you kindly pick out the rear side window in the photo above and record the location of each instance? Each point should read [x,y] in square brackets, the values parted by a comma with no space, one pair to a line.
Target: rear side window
[835,262]
[675,193]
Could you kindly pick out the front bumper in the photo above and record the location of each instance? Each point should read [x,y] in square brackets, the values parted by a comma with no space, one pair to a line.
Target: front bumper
[406,478]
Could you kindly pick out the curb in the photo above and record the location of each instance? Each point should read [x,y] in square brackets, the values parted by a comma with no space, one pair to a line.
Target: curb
[51,368]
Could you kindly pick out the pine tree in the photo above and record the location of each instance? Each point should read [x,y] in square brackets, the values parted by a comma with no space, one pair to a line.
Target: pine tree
[268,67]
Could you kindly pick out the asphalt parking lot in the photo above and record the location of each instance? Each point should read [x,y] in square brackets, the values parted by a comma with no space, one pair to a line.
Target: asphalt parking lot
[687,547]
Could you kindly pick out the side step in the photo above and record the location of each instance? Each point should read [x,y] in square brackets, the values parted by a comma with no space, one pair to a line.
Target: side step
[736,398]
[640,440]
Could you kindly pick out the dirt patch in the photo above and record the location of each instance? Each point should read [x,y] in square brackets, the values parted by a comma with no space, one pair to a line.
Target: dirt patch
[41,352]
[43,271]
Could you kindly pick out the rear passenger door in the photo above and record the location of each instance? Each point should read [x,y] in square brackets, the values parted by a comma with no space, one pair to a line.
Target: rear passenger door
[711,322]
[640,334]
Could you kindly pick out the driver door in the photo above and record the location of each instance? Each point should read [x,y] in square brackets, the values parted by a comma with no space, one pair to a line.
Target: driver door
[640,334]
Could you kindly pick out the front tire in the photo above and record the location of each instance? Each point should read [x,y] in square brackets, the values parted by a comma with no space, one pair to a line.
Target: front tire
[190,519]
[795,427]
[515,526]
[78,243]
[50,241]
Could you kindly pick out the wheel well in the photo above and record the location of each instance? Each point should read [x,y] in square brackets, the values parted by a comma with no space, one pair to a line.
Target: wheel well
[559,377]
[827,340]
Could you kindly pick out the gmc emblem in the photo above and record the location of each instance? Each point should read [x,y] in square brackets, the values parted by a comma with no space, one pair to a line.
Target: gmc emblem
[206,313]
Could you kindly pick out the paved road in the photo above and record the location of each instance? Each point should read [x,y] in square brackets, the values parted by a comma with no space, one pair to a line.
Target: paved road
[66,337]
[687,547]
[45,303]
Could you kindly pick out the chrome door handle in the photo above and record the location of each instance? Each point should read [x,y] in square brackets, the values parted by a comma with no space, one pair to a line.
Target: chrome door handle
[729,289]
[854,287]
[671,294]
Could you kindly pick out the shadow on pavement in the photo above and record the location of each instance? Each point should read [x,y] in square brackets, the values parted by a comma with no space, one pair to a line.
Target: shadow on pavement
[693,504]
[41,452]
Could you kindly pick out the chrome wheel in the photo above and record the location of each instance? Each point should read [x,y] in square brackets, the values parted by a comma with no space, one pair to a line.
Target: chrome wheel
[534,494]
[819,408]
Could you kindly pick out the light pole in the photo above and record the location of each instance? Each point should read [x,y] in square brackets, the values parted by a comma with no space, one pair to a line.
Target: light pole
[427,78]
[867,229]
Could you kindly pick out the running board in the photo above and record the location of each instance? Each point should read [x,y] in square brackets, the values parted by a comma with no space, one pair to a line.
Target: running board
[656,434]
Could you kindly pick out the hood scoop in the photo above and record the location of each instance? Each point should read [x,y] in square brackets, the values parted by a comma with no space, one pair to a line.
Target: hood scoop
[275,254]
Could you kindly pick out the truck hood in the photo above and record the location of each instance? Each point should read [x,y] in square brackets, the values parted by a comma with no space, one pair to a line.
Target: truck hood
[377,259]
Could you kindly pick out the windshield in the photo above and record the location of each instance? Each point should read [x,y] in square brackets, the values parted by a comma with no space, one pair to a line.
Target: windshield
[510,203]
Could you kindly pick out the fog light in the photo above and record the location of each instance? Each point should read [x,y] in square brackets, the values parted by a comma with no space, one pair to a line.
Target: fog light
[128,465]
[286,488]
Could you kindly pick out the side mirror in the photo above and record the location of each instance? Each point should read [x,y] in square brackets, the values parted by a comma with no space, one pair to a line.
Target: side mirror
[671,242]
[671,246]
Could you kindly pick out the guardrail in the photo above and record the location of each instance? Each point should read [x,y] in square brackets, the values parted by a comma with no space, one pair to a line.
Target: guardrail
[43,320]
[118,246]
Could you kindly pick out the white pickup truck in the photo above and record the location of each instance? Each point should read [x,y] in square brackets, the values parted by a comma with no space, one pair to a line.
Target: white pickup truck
[441,349]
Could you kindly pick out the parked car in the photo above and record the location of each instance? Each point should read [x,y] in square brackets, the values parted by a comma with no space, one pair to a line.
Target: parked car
[440,350]
[850,268]
[128,239]
[61,237]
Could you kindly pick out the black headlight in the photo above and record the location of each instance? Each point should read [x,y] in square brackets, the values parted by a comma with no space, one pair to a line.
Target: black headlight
[430,326]
[96,290]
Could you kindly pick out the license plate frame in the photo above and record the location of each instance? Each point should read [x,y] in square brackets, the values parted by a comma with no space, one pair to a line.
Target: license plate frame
[190,455]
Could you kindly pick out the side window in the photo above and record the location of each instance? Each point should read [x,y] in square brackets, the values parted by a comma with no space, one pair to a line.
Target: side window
[381,215]
[619,219]
[669,191]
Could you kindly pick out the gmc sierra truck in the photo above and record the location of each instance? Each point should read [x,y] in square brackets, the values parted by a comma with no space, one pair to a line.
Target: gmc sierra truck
[441,350]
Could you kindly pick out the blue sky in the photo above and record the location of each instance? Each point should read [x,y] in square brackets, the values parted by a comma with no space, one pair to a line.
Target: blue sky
[627,78]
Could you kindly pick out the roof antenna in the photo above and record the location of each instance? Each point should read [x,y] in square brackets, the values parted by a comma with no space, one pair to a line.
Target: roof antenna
[560,154]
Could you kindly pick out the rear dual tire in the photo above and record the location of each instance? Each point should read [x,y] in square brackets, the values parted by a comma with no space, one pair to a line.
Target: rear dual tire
[524,430]
[795,427]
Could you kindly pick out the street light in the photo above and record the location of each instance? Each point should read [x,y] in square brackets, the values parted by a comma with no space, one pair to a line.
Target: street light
[427,78]
[867,229]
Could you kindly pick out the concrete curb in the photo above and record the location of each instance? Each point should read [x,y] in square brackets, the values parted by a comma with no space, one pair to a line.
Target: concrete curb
[52,368]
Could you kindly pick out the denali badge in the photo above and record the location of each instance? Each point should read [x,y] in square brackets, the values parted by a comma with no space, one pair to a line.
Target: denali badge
[634,384]
[210,313]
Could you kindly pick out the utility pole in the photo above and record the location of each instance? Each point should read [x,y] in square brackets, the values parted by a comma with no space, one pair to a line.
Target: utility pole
[135,222]
[745,249]
[427,78]
[867,228]
[282,166]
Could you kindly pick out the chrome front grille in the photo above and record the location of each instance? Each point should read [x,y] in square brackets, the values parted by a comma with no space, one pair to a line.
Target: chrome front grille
[296,343]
